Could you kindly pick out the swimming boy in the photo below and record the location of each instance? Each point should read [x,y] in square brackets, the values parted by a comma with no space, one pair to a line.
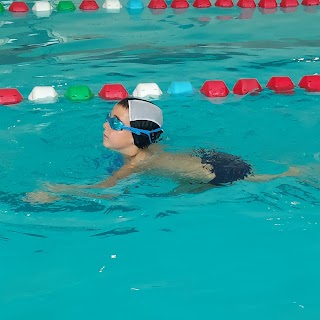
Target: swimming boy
[132,129]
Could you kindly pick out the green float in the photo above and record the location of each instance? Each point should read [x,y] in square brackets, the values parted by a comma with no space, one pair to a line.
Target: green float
[66,6]
[79,93]
[1,7]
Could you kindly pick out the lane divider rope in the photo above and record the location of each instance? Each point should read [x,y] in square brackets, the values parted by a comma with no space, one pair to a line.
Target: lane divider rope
[210,89]
[44,8]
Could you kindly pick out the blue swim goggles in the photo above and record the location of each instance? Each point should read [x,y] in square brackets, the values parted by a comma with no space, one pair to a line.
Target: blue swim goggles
[117,124]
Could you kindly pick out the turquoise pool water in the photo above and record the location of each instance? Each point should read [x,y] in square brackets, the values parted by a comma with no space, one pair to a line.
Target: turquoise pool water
[247,251]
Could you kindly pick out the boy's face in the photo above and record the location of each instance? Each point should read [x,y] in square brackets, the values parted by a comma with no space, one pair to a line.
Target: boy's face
[118,140]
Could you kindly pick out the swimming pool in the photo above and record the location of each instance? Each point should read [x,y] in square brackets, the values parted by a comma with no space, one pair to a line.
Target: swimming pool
[244,251]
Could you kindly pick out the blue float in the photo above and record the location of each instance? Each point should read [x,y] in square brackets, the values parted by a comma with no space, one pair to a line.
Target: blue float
[181,88]
[135,5]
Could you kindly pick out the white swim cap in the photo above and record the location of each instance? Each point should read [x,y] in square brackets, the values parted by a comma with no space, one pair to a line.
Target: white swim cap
[144,110]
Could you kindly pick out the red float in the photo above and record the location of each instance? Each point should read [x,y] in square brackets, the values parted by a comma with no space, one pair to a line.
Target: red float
[289,3]
[113,92]
[18,7]
[202,4]
[246,4]
[280,84]
[214,89]
[89,5]
[244,86]
[268,4]
[10,96]
[157,4]
[310,2]
[224,3]
[310,83]
[179,4]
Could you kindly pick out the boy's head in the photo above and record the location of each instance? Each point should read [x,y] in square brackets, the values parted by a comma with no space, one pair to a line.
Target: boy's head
[137,120]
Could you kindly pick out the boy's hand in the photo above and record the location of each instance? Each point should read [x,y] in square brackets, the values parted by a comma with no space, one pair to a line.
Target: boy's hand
[293,172]
[58,187]
[39,197]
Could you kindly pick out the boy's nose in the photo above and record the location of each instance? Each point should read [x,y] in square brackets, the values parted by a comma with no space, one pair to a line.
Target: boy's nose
[105,125]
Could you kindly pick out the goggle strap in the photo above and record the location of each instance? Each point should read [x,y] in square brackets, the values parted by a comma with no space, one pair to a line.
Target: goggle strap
[139,131]
[133,130]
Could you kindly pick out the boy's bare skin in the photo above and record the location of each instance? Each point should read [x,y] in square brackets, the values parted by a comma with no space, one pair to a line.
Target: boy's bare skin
[187,170]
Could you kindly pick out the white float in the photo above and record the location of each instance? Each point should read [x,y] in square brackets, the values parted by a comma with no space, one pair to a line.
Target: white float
[147,90]
[42,9]
[112,5]
[42,6]
[43,94]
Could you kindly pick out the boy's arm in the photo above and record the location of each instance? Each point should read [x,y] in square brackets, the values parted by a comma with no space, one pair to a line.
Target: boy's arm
[42,197]
[111,181]
[45,197]
[122,173]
